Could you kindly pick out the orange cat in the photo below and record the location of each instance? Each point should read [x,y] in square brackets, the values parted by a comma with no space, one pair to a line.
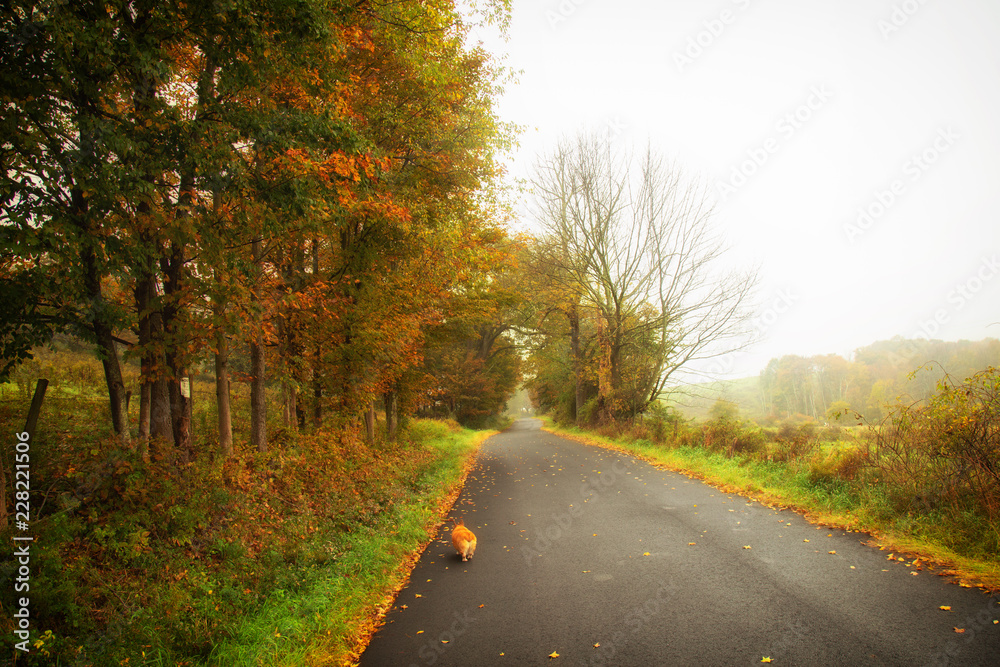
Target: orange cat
[463,539]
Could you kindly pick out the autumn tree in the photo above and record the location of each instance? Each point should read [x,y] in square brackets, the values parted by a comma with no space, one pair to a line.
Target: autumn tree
[632,234]
[311,180]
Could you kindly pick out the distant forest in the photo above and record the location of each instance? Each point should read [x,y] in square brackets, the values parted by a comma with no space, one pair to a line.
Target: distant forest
[828,387]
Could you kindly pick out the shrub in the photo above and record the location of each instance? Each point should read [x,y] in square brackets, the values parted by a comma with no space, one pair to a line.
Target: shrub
[836,464]
[945,451]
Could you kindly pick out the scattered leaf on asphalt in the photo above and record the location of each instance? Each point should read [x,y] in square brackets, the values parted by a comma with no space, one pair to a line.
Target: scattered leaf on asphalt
[959,630]
[553,655]
[765,659]
[805,540]
[691,544]
[748,547]
[832,553]
[646,554]
[944,607]
[444,641]
[597,645]
[418,595]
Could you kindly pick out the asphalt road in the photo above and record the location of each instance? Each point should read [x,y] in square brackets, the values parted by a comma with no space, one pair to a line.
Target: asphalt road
[604,559]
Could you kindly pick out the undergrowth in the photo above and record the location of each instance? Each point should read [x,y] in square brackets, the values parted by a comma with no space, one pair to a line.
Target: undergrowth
[259,559]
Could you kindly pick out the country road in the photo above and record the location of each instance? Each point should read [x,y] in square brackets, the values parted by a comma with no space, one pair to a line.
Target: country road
[604,559]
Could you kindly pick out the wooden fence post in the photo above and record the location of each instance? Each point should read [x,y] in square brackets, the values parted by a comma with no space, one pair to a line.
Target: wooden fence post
[29,428]
[36,407]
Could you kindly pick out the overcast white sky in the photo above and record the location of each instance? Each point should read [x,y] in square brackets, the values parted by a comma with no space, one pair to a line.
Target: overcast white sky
[801,114]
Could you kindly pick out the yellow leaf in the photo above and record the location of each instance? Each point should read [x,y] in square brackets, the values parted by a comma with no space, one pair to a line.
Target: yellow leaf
[597,645]
[765,659]
[553,655]
[944,607]
[832,553]
[646,554]
[748,547]
[805,540]
[959,630]
[691,544]
[444,641]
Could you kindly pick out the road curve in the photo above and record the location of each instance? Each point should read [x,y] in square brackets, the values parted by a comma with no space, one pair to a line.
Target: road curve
[587,556]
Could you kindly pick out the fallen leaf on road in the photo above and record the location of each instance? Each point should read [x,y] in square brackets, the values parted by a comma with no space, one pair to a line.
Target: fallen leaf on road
[959,630]
[597,645]
[418,595]
[805,540]
[944,607]
[691,544]
[765,659]
[420,632]
[914,573]
[444,641]
[748,547]
[832,553]
[646,554]
[553,655]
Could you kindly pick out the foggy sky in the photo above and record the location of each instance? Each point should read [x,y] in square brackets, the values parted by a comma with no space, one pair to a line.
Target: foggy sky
[852,146]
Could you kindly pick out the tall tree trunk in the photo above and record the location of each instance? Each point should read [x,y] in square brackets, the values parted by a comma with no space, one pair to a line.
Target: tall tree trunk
[370,424]
[390,400]
[173,273]
[143,301]
[222,397]
[103,333]
[258,399]
[159,411]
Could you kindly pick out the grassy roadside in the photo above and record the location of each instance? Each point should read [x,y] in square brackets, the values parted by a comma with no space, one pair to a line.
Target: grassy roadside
[288,558]
[828,502]
[331,619]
